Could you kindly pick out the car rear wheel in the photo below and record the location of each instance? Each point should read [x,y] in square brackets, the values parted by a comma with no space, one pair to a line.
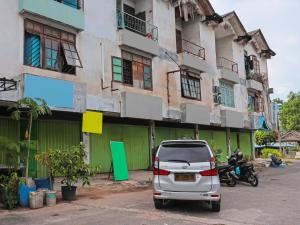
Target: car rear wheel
[158,203]
[216,206]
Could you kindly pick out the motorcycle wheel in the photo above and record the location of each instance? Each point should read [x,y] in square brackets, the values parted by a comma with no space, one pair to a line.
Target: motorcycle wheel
[231,182]
[253,180]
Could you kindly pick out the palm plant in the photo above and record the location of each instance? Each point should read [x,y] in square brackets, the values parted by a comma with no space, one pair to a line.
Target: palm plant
[30,109]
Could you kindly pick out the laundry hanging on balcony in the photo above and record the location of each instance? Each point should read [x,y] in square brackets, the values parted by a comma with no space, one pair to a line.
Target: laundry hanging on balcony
[262,124]
[187,8]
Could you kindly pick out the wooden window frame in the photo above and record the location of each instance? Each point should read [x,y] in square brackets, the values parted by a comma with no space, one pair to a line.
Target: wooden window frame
[43,36]
[130,57]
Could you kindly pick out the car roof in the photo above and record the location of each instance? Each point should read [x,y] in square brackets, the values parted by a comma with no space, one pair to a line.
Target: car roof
[184,141]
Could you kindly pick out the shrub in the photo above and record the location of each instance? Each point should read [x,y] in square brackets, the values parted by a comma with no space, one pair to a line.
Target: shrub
[9,190]
[266,151]
[265,137]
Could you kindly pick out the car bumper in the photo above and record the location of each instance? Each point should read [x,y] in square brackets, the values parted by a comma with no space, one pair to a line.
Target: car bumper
[190,196]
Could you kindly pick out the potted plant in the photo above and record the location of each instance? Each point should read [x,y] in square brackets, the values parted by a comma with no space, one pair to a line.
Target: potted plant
[30,109]
[46,159]
[70,165]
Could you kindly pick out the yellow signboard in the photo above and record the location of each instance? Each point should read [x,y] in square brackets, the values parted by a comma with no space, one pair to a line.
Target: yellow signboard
[92,122]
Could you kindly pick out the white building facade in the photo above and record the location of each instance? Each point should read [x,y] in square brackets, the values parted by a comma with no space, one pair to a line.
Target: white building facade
[156,69]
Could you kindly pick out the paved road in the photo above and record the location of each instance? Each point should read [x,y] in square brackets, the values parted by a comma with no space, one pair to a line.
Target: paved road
[276,201]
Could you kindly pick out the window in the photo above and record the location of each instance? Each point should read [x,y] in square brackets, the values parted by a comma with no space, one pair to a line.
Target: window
[32,50]
[189,152]
[252,103]
[133,70]
[117,69]
[190,86]
[50,48]
[227,94]
[255,102]
[72,3]
[51,54]
[254,64]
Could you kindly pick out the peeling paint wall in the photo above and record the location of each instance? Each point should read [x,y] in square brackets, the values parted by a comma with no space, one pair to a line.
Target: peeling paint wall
[100,41]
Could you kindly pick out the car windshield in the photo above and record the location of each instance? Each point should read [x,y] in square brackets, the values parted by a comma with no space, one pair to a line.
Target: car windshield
[190,153]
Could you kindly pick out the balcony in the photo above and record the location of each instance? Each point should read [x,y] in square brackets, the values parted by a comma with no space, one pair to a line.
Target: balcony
[228,70]
[232,119]
[195,114]
[137,33]
[192,55]
[68,12]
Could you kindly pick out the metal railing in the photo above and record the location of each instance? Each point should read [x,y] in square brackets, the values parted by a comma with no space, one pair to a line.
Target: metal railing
[255,76]
[77,4]
[137,25]
[227,64]
[192,48]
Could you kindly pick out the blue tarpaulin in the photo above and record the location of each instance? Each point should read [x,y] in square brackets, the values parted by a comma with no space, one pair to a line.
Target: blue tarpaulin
[262,124]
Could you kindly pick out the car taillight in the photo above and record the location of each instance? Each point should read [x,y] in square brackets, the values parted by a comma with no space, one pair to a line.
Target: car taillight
[212,172]
[212,159]
[160,172]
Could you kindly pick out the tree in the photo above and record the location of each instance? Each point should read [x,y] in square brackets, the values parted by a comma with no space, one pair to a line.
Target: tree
[30,109]
[278,100]
[265,137]
[290,113]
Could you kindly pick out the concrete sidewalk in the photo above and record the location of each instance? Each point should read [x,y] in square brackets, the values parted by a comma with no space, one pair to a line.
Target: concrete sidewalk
[100,185]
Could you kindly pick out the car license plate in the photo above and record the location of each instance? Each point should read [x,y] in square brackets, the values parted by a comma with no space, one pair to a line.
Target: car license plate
[186,177]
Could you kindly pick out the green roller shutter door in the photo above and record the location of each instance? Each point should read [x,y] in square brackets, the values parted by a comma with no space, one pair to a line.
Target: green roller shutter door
[168,133]
[217,140]
[245,143]
[8,129]
[54,134]
[136,146]
[234,141]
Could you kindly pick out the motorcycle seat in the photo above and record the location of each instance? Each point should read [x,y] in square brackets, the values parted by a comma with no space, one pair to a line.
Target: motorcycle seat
[224,167]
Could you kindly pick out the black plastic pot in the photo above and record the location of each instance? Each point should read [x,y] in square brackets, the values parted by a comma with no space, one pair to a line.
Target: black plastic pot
[68,193]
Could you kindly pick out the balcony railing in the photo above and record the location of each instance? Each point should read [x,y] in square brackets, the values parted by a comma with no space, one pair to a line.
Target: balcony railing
[77,4]
[191,48]
[137,25]
[255,76]
[227,64]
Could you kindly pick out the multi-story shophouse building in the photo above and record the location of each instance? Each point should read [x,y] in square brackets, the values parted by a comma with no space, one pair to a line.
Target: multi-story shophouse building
[156,69]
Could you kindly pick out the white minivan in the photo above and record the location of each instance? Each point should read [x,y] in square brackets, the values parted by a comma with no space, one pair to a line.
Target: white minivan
[185,170]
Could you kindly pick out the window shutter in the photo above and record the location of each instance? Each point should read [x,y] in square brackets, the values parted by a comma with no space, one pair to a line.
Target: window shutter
[32,50]
[147,77]
[117,69]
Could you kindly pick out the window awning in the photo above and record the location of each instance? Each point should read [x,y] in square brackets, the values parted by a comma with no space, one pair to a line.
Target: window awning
[262,124]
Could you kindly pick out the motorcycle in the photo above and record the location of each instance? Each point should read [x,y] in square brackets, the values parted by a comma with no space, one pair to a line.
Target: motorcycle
[227,175]
[243,171]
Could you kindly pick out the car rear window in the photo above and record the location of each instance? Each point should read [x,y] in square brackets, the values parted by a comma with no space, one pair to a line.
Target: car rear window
[188,152]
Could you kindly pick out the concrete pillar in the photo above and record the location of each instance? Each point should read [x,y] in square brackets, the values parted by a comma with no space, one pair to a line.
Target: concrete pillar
[86,142]
[228,136]
[196,132]
[253,144]
[152,140]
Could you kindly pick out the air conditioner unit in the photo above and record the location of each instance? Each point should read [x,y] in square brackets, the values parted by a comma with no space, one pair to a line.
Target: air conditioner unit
[216,89]
[217,99]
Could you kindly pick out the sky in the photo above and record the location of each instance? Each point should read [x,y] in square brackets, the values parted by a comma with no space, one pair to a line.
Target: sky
[279,21]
